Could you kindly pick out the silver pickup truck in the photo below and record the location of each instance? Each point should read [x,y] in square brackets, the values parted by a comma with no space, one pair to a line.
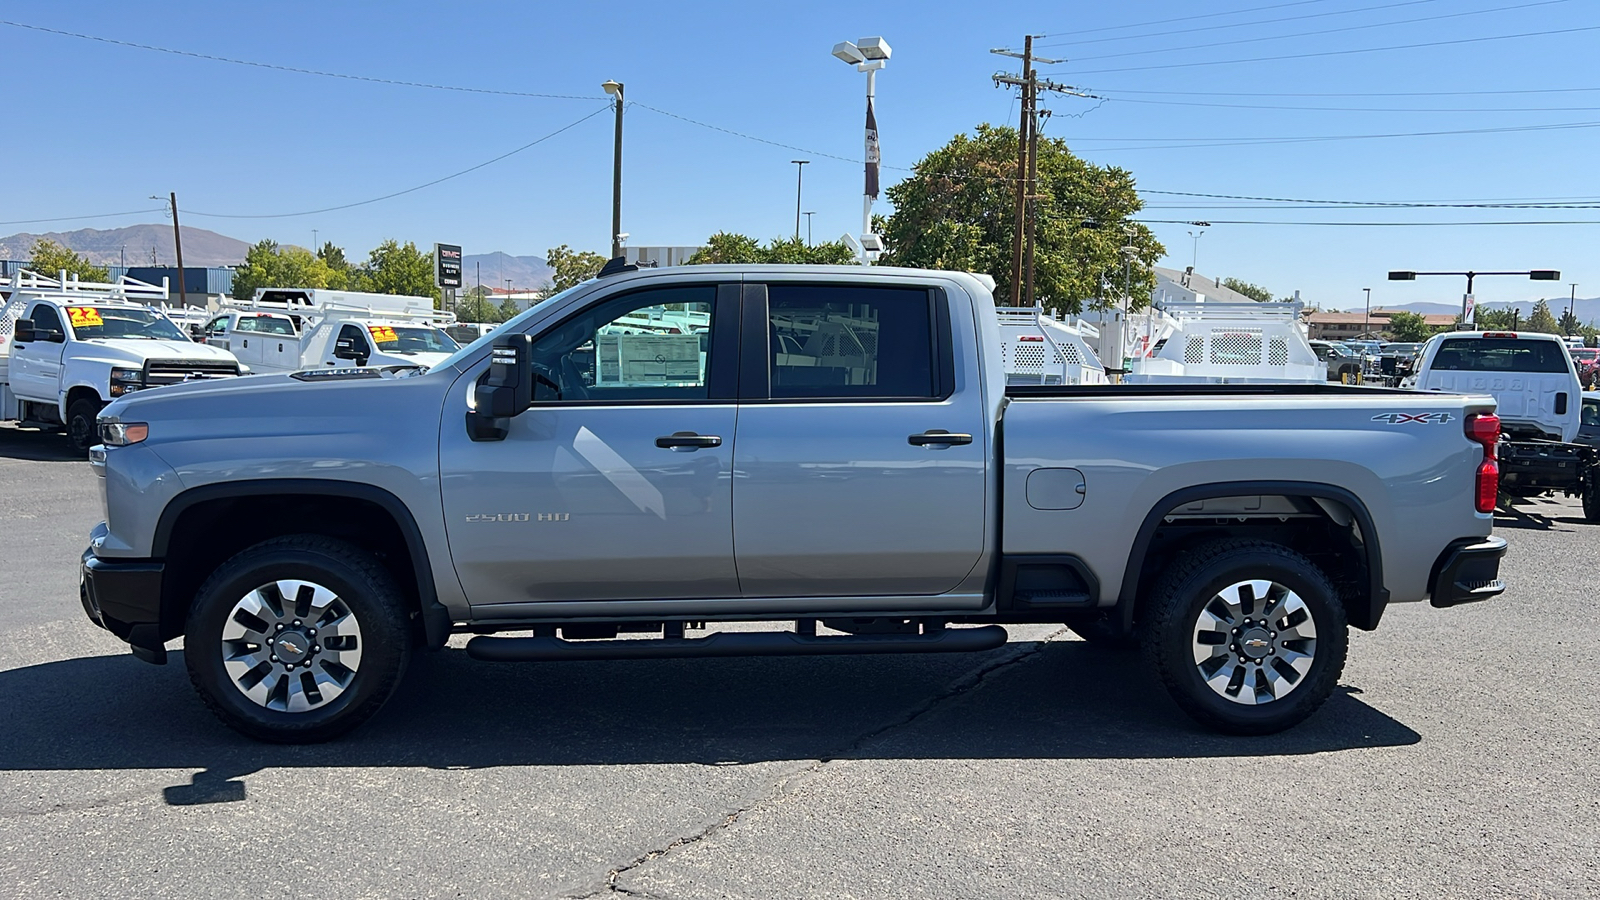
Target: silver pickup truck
[829,448]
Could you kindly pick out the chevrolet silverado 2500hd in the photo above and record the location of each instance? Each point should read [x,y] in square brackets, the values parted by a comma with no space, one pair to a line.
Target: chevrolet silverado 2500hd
[837,446]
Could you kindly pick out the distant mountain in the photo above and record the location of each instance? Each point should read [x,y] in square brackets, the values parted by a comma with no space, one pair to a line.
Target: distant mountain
[137,244]
[525,272]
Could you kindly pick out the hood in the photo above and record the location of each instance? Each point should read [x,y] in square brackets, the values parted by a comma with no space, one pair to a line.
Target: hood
[137,351]
[387,358]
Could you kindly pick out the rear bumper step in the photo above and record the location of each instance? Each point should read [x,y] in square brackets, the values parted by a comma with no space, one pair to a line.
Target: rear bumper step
[735,643]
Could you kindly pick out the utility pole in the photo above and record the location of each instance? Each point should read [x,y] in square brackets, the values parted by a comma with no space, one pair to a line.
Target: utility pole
[177,243]
[1022,244]
[1572,302]
[614,88]
[809,214]
[799,180]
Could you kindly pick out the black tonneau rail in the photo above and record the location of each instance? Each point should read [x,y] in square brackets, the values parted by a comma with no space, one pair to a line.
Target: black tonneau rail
[1039,391]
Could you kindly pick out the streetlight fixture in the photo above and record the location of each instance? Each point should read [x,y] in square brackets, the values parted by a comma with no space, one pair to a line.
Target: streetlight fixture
[1572,301]
[1469,306]
[1366,322]
[799,180]
[614,88]
[868,55]
[809,214]
[1194,260]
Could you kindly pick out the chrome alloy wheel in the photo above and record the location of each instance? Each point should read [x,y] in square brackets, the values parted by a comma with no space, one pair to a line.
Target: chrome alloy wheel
[291,646]
[1254,642]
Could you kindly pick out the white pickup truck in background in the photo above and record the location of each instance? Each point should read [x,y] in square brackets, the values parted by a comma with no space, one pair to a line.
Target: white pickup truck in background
[69,347]
[285,330]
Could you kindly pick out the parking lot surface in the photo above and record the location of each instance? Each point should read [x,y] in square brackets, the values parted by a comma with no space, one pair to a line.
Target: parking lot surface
[1456,759]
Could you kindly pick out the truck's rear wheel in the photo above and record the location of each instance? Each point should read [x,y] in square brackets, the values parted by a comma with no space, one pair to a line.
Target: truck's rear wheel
[1249,637]
[82,430]
[1591,495]
[297,639]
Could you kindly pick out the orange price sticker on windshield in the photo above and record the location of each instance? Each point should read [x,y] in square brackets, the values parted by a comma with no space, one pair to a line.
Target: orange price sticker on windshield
[84,315]
[383,334]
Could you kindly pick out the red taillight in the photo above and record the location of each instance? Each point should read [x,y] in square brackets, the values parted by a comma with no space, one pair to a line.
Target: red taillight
[1500,334]
[1484,428]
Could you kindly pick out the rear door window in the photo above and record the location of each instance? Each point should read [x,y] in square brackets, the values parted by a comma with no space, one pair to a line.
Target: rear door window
[851,343]
[1500,355]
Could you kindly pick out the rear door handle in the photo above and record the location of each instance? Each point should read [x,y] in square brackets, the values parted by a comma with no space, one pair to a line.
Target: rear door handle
[938,436]
[688,440]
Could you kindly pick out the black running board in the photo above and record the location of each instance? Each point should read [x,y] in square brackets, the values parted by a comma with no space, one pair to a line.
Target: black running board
[735,643]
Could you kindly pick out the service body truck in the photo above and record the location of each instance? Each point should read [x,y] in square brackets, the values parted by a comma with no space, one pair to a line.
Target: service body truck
[1211,342]
[69,347]
[575,487]
[269,342]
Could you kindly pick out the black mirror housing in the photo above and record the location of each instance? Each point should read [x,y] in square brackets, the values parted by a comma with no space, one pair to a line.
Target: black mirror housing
[506,390]
[24,333]
[347,350]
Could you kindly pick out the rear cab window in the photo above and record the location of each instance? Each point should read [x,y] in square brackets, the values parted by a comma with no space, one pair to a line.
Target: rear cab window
[843,342]
[1496,354]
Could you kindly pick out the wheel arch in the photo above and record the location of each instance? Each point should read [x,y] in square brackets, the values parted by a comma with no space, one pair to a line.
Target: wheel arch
[1365,608]
[363,513]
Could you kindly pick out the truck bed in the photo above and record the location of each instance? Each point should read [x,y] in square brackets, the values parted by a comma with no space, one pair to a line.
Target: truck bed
[1105,391]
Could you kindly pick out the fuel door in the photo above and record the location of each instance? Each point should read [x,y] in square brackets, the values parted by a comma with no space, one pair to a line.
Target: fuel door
[1056,488]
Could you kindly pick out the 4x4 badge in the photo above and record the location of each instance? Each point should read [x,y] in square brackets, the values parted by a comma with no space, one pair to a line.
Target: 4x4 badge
[1420,418]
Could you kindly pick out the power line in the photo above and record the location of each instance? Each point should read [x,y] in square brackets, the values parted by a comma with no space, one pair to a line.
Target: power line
[1578,90]
[1370,224]
[1322,15]
[1533,202]
[1331,206]
[1364,109]
[1244,142]
[748,137]
[131,212]
[296,70]
[1255,59]
[409,190]
[1300,34]
[1236,12]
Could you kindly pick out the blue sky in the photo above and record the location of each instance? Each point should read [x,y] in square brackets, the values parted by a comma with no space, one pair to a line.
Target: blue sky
[110,125]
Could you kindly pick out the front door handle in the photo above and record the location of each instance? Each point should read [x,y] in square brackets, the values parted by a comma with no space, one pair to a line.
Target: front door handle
[688,440]
[938,436]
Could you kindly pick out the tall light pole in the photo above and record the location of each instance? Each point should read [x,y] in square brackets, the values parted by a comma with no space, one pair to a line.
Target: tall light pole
[799,180]
[177,244]
[614,88]
[809,214]
[1469,306]
[867,55]
[1366,322]
[314,245]
[1572,301]
[1194,260]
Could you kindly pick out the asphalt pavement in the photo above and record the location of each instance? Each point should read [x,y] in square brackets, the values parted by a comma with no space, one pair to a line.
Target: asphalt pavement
[1456,759]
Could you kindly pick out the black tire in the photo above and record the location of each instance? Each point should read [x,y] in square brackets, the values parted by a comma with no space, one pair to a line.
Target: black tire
[1591,496]
[1103,634]
[1172,630]
[82,430]
[361,587]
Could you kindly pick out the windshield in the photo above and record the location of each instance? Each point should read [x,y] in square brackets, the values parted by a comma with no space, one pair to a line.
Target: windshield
[511,325]
[411,339]
[1501,355]
[91,322]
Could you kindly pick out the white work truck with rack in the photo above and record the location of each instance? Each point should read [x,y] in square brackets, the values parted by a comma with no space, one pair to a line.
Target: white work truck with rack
[1210,342]
[288,330]
[69,347]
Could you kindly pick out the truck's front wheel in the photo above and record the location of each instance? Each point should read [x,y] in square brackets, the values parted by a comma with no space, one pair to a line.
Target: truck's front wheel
[1248,636]
[82,429]
[297,639]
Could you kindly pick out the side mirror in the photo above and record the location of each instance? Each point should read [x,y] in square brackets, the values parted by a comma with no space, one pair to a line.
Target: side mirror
[347,349]
[197,334]
[506,391]
[24,333]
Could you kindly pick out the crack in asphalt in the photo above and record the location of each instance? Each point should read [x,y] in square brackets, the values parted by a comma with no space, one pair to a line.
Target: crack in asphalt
[1022,653]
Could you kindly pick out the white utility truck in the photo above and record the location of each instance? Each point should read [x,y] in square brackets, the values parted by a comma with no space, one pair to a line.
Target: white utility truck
[287,330]
[69,347]
[1038,348]
[1230,343]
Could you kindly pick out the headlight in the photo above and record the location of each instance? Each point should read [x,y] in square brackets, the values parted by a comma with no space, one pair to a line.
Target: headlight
[126,380]
[121,434]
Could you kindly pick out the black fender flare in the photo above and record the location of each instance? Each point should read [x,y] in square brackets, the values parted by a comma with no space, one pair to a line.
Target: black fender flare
[1377,598]
[435,617]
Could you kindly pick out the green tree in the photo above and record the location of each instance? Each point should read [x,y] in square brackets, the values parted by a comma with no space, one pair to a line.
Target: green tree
[1254,291]
[1569,323]
[267,265]
[50,258]
[395,268]
[572,266]
[508,309]
[1408,326]
[339,270]
[473,308]
[1541,319]
[725,247]
[1496,319]
[956,212]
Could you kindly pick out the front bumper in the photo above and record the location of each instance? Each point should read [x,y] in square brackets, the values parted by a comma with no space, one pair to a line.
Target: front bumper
[124,597]
[1468,571]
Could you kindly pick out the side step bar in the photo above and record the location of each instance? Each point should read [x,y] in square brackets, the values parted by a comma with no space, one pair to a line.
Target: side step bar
[735,643]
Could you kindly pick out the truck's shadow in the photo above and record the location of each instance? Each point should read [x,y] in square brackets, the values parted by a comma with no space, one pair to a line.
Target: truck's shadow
[1068,700]
[35,446]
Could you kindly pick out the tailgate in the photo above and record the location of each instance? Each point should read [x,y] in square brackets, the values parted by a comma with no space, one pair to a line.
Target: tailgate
[1531,397]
